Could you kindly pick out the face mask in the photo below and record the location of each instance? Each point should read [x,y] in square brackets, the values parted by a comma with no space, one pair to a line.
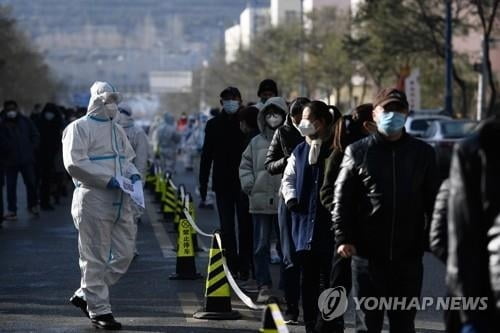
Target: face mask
[274,120]
[49,115]
[390,123]
[306,128]
[111,110]
[11,114]
[231,106]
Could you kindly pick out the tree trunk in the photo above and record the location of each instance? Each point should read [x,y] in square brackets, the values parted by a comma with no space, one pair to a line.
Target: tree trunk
[491,79]
[338,92]
[463,87]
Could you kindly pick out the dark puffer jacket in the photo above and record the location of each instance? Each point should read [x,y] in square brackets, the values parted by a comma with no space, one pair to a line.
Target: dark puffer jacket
[474,206]
[384,197]
[284,141]
[18,140]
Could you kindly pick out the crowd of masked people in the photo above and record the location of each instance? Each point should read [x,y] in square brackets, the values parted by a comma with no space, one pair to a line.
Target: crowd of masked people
[352,200]
[31,147]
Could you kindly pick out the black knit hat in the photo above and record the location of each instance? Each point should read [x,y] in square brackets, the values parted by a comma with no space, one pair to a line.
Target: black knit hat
[268,85]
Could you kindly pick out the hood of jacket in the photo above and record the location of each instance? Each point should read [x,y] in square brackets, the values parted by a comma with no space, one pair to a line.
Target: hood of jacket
[100,94]
[125,119]
[280,103]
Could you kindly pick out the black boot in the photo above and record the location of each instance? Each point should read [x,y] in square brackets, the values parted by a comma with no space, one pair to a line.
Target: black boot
[80,303]
[106,322]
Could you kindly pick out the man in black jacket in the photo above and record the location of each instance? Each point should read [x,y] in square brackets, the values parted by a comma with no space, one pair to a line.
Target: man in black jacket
[383,202]
[473,266]
[223,146]
[18,141]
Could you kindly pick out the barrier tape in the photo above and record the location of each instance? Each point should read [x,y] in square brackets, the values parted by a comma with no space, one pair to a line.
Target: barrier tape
[193,224]
[241,295]
[172,184]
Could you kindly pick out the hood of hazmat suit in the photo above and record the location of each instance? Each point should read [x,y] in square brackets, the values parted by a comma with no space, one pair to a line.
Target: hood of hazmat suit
[96,149]
[136,136]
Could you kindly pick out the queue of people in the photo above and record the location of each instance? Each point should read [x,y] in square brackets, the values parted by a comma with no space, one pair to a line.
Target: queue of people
[351,199]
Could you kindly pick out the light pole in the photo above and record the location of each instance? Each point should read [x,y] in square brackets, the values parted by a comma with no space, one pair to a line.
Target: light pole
[449,61]
[301,51]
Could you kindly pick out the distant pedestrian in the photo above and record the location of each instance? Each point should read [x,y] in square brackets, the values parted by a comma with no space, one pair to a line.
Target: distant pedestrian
[18,138]
[50,126]
[267,89]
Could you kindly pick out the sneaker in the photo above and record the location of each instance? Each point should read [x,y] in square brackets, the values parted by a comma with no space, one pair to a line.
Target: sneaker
[106,322]
[34,211]
[10,216]
[80,303]
[264,294]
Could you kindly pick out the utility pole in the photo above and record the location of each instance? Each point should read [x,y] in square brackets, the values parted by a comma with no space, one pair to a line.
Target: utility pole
[301,51]
[449,61]
[481,83]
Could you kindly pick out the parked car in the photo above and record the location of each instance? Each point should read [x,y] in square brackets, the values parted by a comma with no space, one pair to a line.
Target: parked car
[443,134]
[417,124]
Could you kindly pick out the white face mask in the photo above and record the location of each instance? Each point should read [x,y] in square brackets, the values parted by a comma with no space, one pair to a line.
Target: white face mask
[49,115]
[306,128]
[111,110]
[12,114]
[274,120]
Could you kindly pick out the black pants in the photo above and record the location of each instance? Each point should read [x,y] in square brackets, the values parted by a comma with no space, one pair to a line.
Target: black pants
[340,276]
[386,279]
[2,177]
[46,179]
[291,284]
[245,236]
[314,270]
[229,205]
[28,173]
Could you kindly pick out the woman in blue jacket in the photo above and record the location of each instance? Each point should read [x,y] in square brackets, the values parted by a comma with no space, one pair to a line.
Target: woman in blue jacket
[310,222]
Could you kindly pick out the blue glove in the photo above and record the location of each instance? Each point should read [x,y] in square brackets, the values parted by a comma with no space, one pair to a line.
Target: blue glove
[113,184]
[469,328]
[135,178]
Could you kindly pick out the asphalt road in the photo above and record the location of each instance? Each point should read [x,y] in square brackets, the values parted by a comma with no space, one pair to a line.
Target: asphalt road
[39,272]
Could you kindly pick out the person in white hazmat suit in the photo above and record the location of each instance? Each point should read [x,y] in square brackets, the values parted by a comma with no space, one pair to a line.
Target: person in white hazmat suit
[166,141]
[140,143]
[96,151]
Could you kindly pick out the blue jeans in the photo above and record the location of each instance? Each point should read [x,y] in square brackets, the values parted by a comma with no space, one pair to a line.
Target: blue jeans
[262,226]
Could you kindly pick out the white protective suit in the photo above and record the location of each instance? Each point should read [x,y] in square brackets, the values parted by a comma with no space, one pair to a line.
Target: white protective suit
[95,149]
[166,141]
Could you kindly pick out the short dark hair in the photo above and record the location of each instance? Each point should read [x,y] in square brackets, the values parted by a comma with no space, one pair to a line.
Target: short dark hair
[10,103]
[268,85]
[320,110]
[298,104]
[230,92]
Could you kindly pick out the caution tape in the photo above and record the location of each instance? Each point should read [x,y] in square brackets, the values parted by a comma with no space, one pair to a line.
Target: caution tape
[193,224]
[241,295]
[172,184]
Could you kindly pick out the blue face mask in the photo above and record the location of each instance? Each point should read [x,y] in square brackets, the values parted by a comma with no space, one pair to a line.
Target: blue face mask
[390,123]
[230,106]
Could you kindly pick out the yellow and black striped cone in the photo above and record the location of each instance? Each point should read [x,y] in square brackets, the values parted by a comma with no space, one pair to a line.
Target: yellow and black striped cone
[169,199]
[179,208]
[185,267]
[217,293]
[272,320]
[192,212]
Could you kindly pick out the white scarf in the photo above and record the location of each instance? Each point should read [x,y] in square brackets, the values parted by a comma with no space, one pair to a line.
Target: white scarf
[315,149]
